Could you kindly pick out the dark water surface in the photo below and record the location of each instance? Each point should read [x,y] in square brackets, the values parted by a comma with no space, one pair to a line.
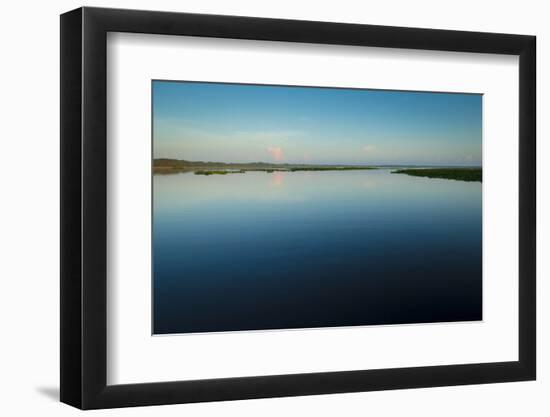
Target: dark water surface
[314,249]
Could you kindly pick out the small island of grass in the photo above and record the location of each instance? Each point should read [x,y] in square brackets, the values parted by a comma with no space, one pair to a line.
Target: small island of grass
[206,172]
[329,168]
[459,174]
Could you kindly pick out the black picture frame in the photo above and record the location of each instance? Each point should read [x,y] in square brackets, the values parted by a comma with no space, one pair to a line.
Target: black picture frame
[84,207]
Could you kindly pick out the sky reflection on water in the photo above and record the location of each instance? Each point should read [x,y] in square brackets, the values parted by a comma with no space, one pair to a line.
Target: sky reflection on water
[314,249]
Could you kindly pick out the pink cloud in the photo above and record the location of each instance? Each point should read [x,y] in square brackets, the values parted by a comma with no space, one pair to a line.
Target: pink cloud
[276,152]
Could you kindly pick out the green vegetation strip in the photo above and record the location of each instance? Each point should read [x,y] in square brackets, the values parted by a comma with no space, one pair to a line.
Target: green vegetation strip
[459,174]
[204,172]
[269,170]
[344,168]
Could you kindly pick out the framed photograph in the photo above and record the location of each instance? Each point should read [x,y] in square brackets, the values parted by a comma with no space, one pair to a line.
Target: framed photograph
[258,208]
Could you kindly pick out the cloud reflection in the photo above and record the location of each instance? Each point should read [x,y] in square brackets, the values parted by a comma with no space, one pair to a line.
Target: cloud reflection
[277,179]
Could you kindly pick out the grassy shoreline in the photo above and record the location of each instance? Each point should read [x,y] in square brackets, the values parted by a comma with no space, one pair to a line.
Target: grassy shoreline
[458,174]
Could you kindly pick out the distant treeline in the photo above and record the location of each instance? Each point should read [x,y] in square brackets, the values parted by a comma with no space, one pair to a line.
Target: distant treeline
[166,166]
[182,163]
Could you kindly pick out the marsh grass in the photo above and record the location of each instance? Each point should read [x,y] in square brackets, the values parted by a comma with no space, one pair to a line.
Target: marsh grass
[459,174]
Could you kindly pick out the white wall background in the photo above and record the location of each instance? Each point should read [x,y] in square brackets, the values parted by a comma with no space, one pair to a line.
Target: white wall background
[29,237]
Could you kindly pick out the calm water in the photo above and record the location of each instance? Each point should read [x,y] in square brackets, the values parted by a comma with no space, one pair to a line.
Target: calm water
[314,249]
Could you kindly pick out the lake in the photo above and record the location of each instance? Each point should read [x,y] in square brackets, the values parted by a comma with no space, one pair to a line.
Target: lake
[284,250]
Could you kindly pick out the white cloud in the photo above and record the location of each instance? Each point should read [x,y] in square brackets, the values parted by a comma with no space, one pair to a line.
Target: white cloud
[275,135]
[369,148]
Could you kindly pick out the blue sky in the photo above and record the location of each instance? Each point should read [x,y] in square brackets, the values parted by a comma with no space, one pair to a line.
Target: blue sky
[248,123]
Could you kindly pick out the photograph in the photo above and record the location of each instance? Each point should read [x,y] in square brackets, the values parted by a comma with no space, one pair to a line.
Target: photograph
[302,207]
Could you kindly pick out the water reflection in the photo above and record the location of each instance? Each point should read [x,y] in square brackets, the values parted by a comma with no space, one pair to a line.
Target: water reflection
[313,249]
[369,184]
[277,179]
